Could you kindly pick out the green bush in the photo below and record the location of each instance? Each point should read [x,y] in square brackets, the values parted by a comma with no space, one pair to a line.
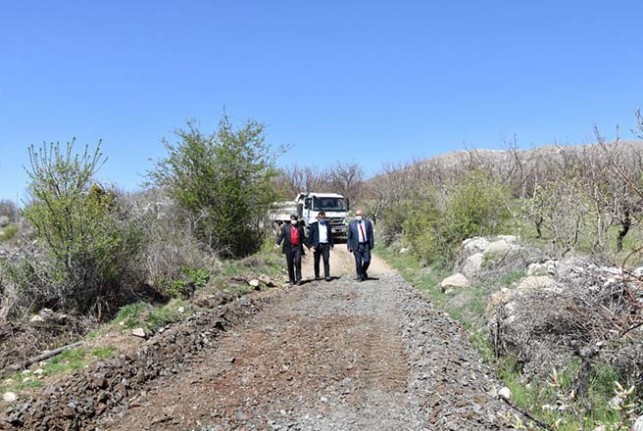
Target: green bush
[90,246]
[191,280]
[425,229]
[478,206]
[437,221]
[223,180]
[8,232]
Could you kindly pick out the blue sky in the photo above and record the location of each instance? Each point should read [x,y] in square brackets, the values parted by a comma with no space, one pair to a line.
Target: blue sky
[370,82]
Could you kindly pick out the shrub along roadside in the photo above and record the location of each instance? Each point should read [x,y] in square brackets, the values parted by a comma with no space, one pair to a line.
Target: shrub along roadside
[553,401]
[223,182]
[89,245]
[226,283]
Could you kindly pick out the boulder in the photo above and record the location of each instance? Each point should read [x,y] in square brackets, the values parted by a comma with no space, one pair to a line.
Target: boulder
[139,332]
[455,281]
[475,245]
[511,239]
[473,265]
[498,248]
[36,318]
[505,393]
[9,397]
[638,425]
[638,272]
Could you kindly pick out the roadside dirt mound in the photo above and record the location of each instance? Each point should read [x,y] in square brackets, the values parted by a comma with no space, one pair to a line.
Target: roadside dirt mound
[339,355]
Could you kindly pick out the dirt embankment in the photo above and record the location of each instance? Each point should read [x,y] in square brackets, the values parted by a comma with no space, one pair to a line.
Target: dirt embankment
[339,355]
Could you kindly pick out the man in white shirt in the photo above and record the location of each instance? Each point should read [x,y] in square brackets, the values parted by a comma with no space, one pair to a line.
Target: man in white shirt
[321,241]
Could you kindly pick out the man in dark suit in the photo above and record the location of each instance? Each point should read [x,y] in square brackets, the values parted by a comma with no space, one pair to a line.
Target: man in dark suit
[321,241]
[360,242]
[293,236]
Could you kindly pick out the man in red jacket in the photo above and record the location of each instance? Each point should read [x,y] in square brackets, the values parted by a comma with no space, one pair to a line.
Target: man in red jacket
[293,237]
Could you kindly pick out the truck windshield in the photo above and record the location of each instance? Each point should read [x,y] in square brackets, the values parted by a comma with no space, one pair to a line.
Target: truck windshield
[329,204]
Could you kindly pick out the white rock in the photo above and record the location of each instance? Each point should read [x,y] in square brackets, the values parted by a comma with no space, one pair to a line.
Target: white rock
[181,309]
[638,425]
[454,281]
[505,393]
[509,238]
[498,248]
[473,264]
[254,283]
[46,313]
[36,318]
[9,397]
[138,332]
[475,245]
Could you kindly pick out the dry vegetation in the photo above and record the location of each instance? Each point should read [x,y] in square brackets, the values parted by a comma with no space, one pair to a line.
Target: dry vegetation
[562,201]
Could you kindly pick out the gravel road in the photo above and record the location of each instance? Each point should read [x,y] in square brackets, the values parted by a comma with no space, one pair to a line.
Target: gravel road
[339,355]
[325,356]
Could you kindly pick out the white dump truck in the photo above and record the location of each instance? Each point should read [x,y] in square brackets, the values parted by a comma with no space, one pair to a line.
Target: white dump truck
[308,205]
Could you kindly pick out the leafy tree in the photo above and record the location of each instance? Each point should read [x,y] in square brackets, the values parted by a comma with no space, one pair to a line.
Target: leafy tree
[77,220]
[479,205]
[437,219]
[223,180]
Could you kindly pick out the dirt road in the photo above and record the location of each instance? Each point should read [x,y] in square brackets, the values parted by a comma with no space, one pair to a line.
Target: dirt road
[337,355]
[324,356]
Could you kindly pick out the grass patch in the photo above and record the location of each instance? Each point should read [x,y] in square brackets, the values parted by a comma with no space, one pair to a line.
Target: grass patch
[175,311]
[75,359]
[8,232]
[65,363]
[131,316]
[268,261]
[143,315]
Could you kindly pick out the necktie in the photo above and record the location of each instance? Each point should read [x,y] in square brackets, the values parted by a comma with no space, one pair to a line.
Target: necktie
[361,229]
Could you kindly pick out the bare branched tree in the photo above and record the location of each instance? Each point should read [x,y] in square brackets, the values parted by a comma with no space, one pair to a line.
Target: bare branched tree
[347,179]
[625,169]
[303,179]
[8,209]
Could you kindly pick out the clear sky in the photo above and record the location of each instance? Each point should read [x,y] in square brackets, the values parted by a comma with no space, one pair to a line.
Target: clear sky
[370,82]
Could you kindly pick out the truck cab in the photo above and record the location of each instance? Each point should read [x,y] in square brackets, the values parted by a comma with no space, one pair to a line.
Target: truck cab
[334,205]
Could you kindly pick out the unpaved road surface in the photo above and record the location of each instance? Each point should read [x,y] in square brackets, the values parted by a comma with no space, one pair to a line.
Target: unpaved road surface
[327,356]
